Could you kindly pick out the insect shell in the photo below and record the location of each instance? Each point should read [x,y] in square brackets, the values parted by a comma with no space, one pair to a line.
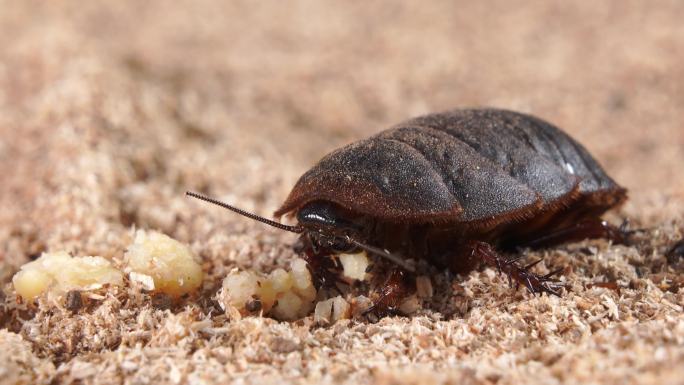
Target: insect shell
[453,188]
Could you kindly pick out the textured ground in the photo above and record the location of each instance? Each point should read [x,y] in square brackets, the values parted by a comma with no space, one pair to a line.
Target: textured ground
[108,113]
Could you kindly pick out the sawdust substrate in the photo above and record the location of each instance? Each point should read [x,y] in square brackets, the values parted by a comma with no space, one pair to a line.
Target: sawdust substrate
[108,113]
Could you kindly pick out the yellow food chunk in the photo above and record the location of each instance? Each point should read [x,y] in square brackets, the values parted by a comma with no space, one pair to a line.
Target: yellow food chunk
[31,283]
[354,265]
[170,263]
[241,287]
[57,273]
[308,293]
[302,282]
[300,275]
[267,294]
[289,307]
[88,273]
[281,280]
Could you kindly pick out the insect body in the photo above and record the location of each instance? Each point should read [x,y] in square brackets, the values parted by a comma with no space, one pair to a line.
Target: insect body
[452,188]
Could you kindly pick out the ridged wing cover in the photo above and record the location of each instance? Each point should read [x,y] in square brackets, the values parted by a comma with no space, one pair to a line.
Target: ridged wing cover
[529,148]
[464,166]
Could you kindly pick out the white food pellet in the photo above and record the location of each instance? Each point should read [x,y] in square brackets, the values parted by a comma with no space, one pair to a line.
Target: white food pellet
[354,265]
[288,307]
[340,309]
[332,310]
[241,286]
[323,312]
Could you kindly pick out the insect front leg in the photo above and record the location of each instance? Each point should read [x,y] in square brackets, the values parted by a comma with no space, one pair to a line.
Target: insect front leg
[324,268]
[476,250]
[392,290]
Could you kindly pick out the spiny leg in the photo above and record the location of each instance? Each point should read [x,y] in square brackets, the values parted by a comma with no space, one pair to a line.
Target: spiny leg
[520,274]
[324,268]
[393,289]
[591,228]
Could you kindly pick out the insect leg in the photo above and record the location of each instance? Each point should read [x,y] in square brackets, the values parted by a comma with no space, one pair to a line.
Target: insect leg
[520,274]
[324,270]
[392,290]
[591,228]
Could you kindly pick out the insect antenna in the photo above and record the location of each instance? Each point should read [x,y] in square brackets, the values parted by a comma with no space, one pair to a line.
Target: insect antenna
[385,254]
[294,229]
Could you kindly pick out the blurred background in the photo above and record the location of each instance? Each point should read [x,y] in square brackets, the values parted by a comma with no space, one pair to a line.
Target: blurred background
[109,111]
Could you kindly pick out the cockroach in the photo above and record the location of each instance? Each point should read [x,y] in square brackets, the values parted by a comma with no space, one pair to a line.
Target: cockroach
[453,188]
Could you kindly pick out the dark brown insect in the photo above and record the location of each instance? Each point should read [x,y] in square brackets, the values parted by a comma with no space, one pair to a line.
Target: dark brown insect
[452,188]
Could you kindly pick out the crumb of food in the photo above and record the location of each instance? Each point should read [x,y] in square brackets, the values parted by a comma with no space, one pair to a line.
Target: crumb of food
[360,305]
[160,262]
[340,309]
[290,306]
[323,312]
[281,280]
[241,287]
[281,294]
[302,282]
[30,283]
[58,273]
[332,310]
[354,265]
[144,280]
